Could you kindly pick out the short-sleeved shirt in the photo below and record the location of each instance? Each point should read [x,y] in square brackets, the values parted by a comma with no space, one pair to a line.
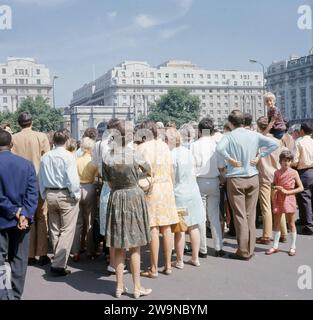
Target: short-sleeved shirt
[279,123]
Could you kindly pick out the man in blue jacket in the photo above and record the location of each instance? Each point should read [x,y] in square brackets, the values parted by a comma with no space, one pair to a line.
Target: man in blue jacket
[18,203]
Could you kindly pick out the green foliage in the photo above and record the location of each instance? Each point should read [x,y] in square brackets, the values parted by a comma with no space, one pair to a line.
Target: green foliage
[45,118]
[178,105]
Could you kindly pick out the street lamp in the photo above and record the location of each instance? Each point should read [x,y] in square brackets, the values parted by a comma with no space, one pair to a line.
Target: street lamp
[263,69]
[53,86]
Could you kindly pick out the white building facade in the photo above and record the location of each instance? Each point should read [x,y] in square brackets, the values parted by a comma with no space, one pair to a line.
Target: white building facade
[292,83]
[137,86]
[21,78]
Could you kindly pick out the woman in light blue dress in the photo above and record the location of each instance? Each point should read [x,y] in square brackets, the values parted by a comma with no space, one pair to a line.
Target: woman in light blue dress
[187,196]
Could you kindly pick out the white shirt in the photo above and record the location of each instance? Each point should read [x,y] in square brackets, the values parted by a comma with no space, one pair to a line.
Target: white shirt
[206,159]
[58,169]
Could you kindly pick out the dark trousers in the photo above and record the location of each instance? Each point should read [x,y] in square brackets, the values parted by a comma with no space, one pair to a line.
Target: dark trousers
[305,199]
[14,246]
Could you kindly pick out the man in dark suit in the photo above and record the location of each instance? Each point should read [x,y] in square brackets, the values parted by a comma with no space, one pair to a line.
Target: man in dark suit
[18,203]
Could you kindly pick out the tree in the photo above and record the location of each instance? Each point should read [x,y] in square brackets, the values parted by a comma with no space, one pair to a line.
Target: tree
[44,117]
[177,105]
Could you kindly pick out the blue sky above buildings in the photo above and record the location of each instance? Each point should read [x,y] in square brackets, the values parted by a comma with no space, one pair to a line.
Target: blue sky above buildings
[70,36]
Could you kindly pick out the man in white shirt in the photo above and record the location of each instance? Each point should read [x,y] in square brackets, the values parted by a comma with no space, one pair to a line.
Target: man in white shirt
[206,165]
[59,184]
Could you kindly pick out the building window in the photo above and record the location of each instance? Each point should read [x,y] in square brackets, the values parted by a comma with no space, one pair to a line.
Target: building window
[123,81]
[5,100]
[209,76]
[4,81]
[38,71]
[167,75]
[152,74]
[4,91]
[152,82]
[159,75]
[4,71]
[216,76]
[38,81]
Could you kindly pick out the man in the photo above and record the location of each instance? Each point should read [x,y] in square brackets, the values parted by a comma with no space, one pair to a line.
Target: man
[248,121]
[240,148]
[303,161]
[18,203]
[207,164]
[59,184]
[32,145]
[267,167]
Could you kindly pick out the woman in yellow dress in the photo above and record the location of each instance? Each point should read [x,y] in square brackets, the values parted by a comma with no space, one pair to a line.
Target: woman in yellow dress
[161,200]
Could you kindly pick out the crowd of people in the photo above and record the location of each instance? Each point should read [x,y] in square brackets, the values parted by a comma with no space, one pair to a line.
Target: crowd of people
[126,186]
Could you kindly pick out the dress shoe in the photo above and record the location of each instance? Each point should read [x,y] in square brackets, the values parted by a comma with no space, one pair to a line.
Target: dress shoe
[76,258]
[283,239]
[299,223]
[119,292]
[60,272]
[263,240]
[44,260]
[306,232]
[202,255]
[141,292]
[238,257]
[32,261]
[187,248]
[220,253]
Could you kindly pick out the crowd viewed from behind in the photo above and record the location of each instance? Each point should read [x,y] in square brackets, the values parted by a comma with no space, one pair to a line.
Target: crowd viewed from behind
[122,188]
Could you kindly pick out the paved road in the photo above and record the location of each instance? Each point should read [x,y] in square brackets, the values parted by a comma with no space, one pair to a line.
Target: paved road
[264,277]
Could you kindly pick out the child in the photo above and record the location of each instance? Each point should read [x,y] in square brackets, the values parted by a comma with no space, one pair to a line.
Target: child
[284,200]
[276,124]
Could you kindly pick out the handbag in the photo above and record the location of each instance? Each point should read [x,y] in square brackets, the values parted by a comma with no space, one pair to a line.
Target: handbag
[146,184]
[181,226]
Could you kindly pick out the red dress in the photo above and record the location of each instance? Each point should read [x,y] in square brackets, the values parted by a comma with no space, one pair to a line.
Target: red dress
[285,203]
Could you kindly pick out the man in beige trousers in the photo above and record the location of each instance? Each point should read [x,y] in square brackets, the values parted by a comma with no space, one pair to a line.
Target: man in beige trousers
[240,149]
[59,184]
[267,167]
[32,145]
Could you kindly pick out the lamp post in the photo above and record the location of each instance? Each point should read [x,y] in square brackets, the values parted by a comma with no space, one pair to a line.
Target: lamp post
[53,87]
[263,70]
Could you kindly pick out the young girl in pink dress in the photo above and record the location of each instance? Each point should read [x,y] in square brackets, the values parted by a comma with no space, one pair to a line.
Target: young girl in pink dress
[284,200]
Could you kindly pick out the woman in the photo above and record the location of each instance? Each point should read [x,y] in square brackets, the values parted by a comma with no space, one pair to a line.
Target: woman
[161,201]
[187,196]
[87,172]
[127,215]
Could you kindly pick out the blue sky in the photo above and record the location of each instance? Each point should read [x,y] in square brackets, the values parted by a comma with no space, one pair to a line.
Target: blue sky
[70,36]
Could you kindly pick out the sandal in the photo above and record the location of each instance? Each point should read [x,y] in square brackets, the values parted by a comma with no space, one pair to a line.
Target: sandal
[194,263]
[292,252]
[149,274]
[179,265]
[167,271]
[271,251]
